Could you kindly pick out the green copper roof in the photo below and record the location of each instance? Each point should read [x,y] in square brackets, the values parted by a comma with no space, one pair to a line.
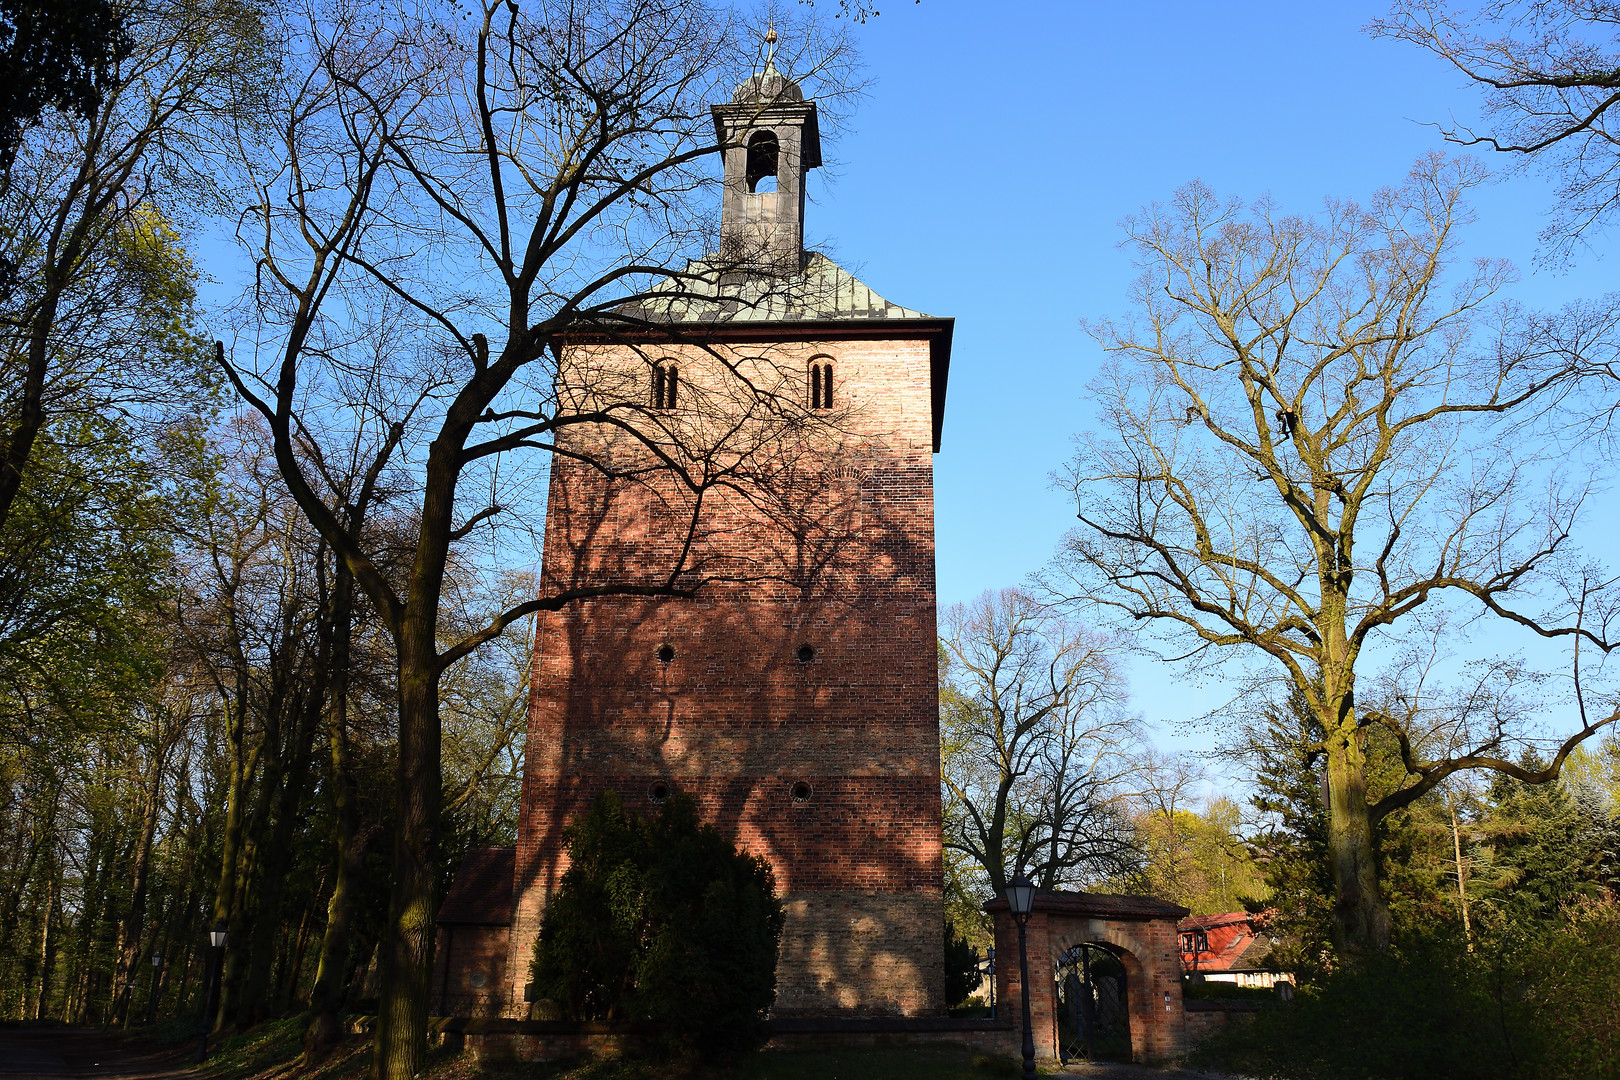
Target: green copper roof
[822,292]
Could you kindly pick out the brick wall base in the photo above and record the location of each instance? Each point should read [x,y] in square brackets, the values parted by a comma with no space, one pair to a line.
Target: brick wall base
[1206,1016]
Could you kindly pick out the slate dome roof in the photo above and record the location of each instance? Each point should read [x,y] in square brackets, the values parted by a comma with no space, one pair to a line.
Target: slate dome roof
[768,86]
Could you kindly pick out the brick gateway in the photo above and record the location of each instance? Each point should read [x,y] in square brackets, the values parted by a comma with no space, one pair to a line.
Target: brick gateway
[1140,931]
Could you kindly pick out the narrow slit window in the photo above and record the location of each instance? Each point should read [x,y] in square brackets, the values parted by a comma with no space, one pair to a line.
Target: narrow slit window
[666,382]
[821,384]
[762,161]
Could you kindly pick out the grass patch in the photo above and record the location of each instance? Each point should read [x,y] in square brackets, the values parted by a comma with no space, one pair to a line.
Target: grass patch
[269,1051]
[876,1063]
[264,1049]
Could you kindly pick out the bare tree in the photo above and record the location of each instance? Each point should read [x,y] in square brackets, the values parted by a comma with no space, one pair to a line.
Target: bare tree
[1550,72]
[1312,441]
[1034,742]
[496,189]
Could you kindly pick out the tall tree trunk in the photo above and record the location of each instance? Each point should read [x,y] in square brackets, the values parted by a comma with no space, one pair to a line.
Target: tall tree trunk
[31,413]
[1361,920]
[261,944]
[133,927]
[292,965]
[326,999]
[250,883]
[91,909]
[240,765]
[407,953]
[402,1012]
[1462,880]
[46,944]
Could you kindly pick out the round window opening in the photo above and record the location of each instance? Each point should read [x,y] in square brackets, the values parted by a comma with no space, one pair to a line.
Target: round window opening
[477,980]
[658,792]
[801,792]
[666,653]
[806,653]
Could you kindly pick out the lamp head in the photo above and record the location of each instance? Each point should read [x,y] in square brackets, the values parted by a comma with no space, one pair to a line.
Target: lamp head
[217,936]
[1021,895]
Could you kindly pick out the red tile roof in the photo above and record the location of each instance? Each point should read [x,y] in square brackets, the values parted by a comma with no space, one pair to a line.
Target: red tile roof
[481,894]
[1233,943]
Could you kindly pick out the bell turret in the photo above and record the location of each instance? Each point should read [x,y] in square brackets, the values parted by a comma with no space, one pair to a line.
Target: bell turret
[771,140]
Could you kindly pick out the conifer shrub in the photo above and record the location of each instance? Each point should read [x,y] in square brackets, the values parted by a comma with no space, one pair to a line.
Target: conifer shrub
[962,975]
[662,921]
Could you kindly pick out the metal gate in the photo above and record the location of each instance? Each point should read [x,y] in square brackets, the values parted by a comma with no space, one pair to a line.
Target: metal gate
[1093,1023]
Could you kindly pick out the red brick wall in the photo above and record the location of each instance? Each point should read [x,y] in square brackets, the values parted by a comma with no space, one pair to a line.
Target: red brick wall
[469,970]
[840,559]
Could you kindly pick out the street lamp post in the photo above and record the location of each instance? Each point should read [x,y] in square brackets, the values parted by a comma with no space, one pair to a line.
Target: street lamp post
[1021,899]
[216,940]
[152,992]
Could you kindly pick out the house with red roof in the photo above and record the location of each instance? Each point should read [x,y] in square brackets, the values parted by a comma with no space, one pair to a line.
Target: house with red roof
[1228,947]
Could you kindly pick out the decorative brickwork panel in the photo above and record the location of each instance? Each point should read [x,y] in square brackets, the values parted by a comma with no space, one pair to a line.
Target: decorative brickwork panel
[795,696]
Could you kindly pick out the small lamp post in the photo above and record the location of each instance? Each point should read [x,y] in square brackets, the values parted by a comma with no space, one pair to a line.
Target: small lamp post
[990,970]
[216,940]
[1021,899]
[152,992]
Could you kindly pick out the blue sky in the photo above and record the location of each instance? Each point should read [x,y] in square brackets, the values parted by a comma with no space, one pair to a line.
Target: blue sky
[986,175]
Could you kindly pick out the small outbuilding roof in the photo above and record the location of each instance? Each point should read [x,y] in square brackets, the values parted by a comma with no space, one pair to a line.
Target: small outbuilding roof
[1098,906]
[481,894]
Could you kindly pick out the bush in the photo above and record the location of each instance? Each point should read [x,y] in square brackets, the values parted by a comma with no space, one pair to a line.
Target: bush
[1210,991]
[962,975]
[662,921]
[1537,1001]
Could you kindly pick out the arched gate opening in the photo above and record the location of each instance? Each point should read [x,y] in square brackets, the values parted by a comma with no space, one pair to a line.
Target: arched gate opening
[1092,1018]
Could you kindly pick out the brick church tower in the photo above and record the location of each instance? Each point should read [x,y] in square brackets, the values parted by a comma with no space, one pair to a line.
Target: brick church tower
[797,704]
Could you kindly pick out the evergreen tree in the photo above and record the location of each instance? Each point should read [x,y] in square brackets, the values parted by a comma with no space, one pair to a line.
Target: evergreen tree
[663,921]
[1546,851]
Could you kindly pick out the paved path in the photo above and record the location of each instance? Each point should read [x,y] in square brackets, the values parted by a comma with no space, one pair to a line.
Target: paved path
[1111,1070]
[79,1054]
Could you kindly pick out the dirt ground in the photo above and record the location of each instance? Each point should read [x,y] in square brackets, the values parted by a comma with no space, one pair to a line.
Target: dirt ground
[60,1053]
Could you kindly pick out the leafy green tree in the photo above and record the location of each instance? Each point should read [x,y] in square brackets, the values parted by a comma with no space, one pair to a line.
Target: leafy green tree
[1198,858]
[662,921]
